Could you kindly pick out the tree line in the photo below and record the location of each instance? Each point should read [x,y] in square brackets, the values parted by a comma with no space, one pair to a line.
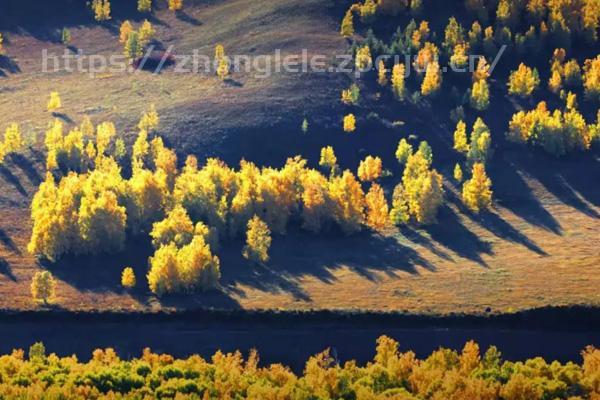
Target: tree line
[392,374]
[97,192]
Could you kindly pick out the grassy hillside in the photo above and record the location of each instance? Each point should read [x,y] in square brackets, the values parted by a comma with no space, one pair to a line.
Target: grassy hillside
[537,247]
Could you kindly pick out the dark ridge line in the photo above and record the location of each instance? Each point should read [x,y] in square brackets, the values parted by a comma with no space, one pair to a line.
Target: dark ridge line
[574,318]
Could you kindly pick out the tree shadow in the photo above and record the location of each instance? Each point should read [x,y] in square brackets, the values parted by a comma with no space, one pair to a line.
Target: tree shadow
[13,180]
[232,82]
[497,226]
[102,272]
[7,241]
[452,234]
[416,237]
[7,65]
[300,254]
[512,192]
[6,270]
[572,179]
[28,168]
[185,17]
[63,117]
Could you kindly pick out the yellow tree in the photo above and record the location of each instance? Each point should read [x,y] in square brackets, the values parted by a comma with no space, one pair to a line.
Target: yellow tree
[400,212]
[314,200]
[150,120]
[1,45]
[128,278]
[477,193]
[351,95]
[481,141]
[363,58]
[482,72]
[572,73]
[258,241]
[124,31]
[54,104]
[591,80]
[403,151]
[347,202]
[102,222]
[460,58]
[349,123]
[377,208]
[144,5]
[367,10]
[13,141]
[219,52]
[347,28]
[163,276]
[198,268]
[422,189]
[398,85]
[175,5]
[460,137]
[480,95]
[43,286]
[146,33]
[328,159]
[133,46]
[101,9]
[458,174]
[105,132]
[223,68]
[555,82]
[523,81]
[382,74]
[433,79]
[370,169]
[147,196]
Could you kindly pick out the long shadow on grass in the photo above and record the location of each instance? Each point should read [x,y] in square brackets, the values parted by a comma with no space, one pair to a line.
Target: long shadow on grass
[12,179]
[512,192]
[185,17]
[572,179]
[300,254]
[7,65]
[28,168]
[6,270]
[452,234]
[102,274]
[496,225]
[7,241]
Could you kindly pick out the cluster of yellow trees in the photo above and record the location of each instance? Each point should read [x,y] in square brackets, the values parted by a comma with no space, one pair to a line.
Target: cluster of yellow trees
[477,192]
[12,141]
[445,374]
[135,42]
[561,18]
[557,132]
[87,206]
[102,10]
[556,18]
[420,194]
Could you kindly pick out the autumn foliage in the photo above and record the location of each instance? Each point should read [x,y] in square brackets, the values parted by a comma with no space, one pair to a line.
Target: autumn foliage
[392,374]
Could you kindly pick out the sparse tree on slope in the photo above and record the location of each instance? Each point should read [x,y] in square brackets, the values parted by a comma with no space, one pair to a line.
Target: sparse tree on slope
[43,286]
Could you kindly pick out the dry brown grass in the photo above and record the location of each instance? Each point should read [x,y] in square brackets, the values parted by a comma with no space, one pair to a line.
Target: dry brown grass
[528,253]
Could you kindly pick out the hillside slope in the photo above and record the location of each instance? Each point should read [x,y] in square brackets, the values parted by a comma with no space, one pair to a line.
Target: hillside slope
[538,247]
